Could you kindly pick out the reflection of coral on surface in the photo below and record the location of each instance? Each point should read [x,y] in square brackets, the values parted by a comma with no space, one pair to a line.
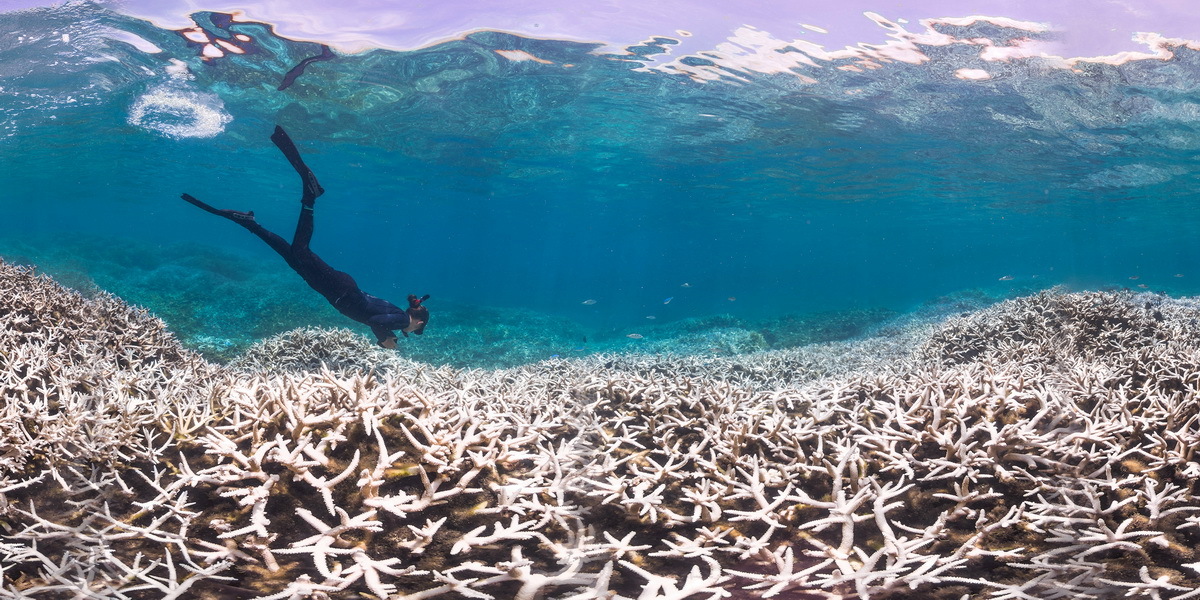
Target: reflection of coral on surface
[969,465]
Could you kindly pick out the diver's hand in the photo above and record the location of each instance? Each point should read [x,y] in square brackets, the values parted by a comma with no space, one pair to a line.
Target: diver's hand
[388,342]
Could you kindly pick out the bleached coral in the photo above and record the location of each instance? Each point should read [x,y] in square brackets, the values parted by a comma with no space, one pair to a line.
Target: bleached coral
[987,457]
[1051,324]
[310,349]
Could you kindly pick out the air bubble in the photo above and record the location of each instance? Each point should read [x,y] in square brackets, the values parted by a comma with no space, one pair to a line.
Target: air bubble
[178,113]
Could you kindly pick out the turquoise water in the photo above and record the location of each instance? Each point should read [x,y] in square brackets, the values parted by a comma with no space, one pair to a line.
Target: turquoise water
[514,191]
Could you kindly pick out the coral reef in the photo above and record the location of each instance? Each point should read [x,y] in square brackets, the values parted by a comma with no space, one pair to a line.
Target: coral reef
[222,305]
[311,349]
[216,302]
[1054,325]
[472,336]
[1043,447]
[829,326]
[72,369]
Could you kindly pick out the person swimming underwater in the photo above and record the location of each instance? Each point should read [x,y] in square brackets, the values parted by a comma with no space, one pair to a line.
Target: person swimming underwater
[339,288]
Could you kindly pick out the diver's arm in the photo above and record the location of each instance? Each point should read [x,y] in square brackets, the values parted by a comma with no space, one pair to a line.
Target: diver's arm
[385,337]
[383,326]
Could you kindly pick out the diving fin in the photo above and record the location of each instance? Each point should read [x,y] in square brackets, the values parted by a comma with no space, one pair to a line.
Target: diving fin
[312,189]
[298,70]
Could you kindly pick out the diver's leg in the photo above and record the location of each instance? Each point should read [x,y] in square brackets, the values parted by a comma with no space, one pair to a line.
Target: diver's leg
[246,219]
[304,229]
[339,288]
[320,275]
[335,285]
[312,188]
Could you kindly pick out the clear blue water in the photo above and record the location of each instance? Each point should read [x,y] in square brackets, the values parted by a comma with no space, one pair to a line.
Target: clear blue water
[503,185]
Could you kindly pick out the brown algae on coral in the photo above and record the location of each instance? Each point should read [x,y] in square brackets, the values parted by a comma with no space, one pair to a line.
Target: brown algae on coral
[1043,446]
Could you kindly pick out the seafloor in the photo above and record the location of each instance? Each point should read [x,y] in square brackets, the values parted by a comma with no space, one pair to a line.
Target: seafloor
[1041,447]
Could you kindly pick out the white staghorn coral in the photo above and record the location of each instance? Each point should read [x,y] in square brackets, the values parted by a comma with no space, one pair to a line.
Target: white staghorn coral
[1044,446]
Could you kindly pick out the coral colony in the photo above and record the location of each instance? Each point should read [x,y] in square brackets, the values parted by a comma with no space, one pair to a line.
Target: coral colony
[1042,448]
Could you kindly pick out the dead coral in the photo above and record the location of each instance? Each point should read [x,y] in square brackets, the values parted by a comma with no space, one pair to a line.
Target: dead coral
[71,369]
[309,349]
[1053,325]
[91,393]
[972,464]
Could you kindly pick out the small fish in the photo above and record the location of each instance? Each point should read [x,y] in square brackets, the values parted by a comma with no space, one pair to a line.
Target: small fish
[634,336]
[1179,274]
[686,284]
[553,356]
[1134,277]
[732,298]
[589,302]
[1143,286]
[668,300]
[1007,278]
[651,317]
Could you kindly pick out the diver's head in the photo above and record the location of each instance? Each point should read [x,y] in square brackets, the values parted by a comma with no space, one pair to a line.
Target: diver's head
[418,315]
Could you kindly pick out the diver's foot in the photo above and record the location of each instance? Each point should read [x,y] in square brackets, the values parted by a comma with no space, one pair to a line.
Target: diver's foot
[312,189]
[232,215]
[237,215]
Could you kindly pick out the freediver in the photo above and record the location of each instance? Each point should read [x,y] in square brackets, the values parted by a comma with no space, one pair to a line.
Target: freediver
[339,288]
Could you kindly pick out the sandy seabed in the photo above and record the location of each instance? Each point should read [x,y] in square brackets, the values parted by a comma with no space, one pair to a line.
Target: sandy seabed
[1043,447]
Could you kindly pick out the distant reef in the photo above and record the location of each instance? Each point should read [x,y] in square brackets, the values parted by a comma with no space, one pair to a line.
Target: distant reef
[1045,446]
[221,304]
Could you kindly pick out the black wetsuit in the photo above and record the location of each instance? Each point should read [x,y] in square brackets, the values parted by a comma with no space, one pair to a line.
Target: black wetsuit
[339,288]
